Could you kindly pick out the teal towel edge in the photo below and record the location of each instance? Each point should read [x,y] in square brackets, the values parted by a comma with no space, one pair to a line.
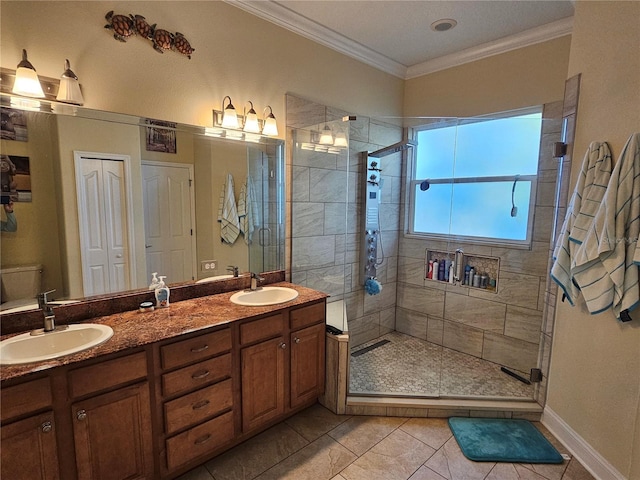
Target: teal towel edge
[555,461]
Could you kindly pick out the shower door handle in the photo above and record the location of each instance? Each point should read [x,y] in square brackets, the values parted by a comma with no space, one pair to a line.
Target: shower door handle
[264,232]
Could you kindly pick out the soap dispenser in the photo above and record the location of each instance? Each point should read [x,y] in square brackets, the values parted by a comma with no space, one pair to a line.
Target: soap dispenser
[162,293]
[154,281]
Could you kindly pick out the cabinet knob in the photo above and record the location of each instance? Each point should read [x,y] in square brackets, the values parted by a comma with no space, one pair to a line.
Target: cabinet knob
[283,345]
[47,427]
[296,339]
[81,415]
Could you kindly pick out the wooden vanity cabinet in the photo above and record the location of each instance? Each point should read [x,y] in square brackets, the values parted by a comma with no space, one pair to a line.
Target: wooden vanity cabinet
[284,370]
[111,419]
[194,387]
[29,448]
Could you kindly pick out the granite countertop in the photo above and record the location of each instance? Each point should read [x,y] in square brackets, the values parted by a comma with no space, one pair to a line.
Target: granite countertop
[134,329]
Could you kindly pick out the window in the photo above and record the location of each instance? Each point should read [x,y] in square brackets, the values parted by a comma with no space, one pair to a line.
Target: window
[476,179]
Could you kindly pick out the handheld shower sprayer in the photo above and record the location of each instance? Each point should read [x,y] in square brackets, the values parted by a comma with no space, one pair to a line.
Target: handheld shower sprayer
[514,209]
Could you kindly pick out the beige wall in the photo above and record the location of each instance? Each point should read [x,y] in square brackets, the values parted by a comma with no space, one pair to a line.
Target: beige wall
[236,54]
[594,383]
[528,76]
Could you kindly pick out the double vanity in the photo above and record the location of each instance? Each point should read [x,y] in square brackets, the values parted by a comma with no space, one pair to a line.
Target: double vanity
[170,389]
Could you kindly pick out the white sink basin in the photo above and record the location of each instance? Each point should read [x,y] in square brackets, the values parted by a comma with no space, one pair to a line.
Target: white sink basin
[27,348]
[214,278]
[264,296]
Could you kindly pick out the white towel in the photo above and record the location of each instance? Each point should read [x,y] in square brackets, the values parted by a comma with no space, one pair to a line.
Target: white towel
[228,213]
[585,201]
[607,264]
[248,210]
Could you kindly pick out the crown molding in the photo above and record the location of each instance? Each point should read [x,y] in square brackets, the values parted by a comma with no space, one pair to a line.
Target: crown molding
[285,18]
[540,34]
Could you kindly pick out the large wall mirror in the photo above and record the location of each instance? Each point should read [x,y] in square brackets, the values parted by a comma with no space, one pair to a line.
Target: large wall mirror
[102,200]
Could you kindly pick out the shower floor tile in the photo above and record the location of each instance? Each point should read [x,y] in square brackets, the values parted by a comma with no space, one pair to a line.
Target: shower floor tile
[413,367]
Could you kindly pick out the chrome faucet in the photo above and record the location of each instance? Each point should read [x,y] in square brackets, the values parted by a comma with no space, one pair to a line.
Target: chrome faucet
[49,316]
[233,269]
[255,279]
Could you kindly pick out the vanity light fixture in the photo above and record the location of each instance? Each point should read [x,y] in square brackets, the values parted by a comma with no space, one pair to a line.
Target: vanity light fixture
[27,83]
[326,137]
[69,91]
[229,115]
[251,120]
[270,126]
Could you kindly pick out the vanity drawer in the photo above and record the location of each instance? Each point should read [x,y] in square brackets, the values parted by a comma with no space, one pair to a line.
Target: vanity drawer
[25,398]
[196,348]
[192,408]
[262,329]
[199,440]
[305,316]
[196,375]
[107,374]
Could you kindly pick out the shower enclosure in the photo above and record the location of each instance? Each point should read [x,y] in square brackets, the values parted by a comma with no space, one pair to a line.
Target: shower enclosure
[423,337]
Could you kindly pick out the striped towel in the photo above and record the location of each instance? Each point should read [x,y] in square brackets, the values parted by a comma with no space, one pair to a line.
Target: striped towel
[608,261]
[228,213]
[248,210]
[585,201]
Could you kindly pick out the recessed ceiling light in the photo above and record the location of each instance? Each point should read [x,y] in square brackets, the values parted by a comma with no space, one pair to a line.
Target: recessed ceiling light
[443,24]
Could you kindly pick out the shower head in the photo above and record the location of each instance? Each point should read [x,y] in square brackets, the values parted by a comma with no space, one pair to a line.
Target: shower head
[396,147]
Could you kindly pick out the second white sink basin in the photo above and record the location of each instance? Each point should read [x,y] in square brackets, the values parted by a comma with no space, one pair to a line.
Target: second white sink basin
[27,348]
[264,296]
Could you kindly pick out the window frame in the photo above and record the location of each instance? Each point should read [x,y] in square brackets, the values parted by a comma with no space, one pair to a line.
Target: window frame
[412,183]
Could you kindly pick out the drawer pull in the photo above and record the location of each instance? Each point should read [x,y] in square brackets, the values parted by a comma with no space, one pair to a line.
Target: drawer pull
[202,439]
[200,404]
[200,374]
[201,349]
[46,427]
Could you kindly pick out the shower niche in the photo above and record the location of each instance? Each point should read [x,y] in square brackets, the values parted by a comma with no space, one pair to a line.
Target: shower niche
[478,272]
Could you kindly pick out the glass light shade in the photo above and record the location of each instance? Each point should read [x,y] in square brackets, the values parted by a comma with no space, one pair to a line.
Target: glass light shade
[69,91]
[27,83]
[251,122]
[229,115]
[341,140]
[326,138]
[229,118]
[270,126]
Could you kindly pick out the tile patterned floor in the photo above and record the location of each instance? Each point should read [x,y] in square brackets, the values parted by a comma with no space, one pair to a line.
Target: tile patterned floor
[318,445]
[428,370]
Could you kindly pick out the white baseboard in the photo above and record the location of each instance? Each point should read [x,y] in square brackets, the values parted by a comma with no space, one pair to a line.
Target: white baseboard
[595,463]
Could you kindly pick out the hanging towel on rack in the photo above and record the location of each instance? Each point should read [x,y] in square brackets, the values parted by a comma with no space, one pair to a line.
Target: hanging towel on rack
[585,201]
[228,213]
[607,264]
[248,210]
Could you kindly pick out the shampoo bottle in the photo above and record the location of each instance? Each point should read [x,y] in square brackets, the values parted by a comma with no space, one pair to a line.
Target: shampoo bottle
[162,293]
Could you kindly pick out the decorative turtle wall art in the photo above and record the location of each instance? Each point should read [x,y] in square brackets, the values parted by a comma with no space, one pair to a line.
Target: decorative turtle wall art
[125,26]
[121,25]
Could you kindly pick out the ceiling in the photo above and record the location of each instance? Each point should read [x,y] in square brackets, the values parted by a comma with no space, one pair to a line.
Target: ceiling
[395,35]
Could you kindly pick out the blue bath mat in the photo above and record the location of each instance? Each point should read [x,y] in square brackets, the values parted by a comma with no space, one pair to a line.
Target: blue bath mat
[502,440]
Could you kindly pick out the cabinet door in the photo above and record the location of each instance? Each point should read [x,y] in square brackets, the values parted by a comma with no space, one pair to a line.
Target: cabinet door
[307,364]
[262,382]
[112,434]
[29,449]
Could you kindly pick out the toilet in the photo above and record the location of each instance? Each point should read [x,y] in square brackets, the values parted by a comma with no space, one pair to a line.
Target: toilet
[20,286]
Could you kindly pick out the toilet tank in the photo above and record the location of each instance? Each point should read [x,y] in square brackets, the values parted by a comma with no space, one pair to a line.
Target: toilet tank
[20,282]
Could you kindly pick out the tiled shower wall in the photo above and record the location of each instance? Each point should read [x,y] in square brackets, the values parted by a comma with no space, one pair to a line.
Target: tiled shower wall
[325,252]
[503,327]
